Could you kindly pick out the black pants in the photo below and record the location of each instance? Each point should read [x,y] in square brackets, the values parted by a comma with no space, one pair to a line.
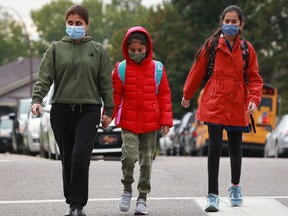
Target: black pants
[214,153]
[75,128]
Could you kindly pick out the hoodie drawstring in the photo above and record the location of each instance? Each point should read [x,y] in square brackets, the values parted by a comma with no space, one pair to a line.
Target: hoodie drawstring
[73,107]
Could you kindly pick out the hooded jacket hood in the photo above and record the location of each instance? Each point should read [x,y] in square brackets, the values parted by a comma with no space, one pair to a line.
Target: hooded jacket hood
[140,29]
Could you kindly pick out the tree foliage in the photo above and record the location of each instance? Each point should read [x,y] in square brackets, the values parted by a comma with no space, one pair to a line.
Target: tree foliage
[13,41]
[177,28]
[50,20]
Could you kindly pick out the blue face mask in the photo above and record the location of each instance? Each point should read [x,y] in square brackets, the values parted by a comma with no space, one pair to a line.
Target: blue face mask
[75,32]
[230,30]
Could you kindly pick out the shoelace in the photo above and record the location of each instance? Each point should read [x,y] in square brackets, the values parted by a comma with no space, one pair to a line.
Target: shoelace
[212,198]
[235,192]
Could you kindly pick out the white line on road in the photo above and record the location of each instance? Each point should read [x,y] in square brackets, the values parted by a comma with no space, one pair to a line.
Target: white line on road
[253,206]
[198,199]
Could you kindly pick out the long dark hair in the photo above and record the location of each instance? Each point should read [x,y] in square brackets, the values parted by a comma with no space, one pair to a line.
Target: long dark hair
[218,32]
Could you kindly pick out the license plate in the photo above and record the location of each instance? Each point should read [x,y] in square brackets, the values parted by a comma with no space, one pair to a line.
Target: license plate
[108,139]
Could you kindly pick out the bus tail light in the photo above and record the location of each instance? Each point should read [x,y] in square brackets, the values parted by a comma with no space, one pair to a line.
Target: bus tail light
[194,133]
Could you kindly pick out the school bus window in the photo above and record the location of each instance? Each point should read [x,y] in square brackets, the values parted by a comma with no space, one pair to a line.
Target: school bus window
[267,103]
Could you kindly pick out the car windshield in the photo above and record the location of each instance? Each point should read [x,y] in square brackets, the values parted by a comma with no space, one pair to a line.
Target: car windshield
[6,123]
[24,107]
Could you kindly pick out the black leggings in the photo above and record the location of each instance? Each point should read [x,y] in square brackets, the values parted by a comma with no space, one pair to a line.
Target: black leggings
[214,153]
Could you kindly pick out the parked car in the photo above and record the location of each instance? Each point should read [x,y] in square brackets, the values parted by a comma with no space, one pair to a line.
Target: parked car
[31,134]
[6,125]
[48,146]
[19,123]
[108,141]
[184,143]
[277,140]
[166,142]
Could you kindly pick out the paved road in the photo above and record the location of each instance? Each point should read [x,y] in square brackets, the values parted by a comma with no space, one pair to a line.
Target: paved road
[32,186]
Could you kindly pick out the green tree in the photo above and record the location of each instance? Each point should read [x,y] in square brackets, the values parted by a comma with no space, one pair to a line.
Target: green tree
[106,21]
[268,29]
[262,17]
[13,40]
[50,20]
[121,15]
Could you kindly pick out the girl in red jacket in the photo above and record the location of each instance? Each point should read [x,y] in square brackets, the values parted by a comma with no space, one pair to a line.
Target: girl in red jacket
[141,108]
[227,99]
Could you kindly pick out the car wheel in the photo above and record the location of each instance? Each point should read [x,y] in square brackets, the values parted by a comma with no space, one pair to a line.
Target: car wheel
[168,152]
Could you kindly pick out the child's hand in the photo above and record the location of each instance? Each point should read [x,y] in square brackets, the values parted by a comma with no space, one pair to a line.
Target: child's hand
[185,103]
[251,108]
[164,130]
[106,120]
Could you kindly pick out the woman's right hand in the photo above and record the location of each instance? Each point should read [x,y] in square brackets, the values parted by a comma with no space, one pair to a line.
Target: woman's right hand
[36,109]
[185,103]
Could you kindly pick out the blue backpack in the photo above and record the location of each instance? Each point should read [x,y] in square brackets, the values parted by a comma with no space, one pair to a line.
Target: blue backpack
[158,72]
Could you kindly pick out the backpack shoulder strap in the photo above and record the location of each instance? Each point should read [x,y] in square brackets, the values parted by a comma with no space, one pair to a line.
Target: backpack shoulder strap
[245,56]
[211,59]
[122,70]
[158,73]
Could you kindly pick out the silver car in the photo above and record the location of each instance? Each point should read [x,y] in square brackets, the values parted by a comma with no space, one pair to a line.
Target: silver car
[6,125]
[19,124]
[48,146]
[166,142]
[277,140]
[31,135]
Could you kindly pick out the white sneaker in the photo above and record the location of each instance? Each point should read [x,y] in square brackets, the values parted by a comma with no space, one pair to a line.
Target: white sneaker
[141,208]
[125,201]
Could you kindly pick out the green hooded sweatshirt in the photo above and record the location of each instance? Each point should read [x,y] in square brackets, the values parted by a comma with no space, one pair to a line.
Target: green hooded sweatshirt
[81,74]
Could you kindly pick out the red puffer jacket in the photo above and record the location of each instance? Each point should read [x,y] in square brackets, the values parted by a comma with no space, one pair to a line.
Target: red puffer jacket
[142,109]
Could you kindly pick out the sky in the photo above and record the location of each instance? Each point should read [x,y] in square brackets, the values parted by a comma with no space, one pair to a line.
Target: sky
[24,7]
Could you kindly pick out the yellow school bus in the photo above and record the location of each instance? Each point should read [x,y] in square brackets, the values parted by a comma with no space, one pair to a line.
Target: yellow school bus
[266,118]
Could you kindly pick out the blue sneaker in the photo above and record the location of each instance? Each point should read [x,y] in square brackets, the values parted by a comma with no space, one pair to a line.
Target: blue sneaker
[212,203]
[236,197]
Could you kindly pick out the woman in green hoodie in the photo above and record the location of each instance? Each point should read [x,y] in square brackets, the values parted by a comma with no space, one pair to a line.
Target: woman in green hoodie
[81,72]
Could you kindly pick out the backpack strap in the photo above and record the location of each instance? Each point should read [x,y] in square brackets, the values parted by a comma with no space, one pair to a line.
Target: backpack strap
[245,56]
[158,74]
[122,70]
[212,54]
[211,59]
